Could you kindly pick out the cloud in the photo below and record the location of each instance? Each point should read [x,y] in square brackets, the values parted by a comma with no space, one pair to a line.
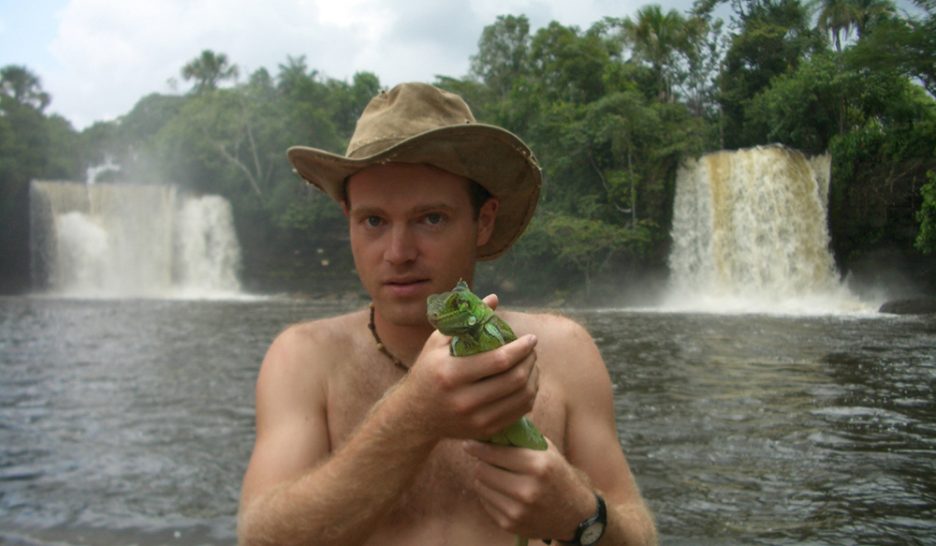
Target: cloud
[108,54]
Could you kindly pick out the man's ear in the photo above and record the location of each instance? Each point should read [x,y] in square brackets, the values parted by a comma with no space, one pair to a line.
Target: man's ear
[487,216]
[344,208]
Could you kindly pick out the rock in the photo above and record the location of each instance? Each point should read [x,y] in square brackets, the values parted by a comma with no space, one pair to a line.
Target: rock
[910,306]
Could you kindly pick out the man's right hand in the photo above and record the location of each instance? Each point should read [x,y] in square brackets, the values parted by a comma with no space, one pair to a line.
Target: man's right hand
[470,397]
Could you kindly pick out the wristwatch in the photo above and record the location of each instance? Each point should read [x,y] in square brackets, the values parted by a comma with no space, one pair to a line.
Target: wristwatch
[590,530]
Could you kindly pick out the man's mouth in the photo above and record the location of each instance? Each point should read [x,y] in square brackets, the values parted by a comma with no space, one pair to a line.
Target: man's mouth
[405,281]
[406,286]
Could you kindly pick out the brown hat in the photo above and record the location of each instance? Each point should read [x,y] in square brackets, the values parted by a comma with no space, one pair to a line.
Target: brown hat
[419,123]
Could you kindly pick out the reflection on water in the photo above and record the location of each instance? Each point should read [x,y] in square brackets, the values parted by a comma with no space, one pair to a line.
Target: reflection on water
[761,430]
[131,422]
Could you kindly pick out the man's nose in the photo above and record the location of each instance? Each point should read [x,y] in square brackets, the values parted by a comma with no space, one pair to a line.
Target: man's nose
[402,247]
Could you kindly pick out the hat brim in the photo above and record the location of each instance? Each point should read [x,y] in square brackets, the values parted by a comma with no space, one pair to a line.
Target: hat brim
[493,157]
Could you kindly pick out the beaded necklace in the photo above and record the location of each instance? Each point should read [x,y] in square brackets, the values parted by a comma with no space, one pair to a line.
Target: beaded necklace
[380,346]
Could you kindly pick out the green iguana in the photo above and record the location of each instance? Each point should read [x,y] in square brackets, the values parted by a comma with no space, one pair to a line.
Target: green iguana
[475,329]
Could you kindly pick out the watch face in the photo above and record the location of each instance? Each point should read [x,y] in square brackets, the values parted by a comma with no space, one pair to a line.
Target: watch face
[592,533]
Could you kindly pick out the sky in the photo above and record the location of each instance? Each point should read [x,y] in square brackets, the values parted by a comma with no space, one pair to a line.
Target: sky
[97,58]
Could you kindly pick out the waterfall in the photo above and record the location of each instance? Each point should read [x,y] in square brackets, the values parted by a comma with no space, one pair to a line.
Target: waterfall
[749,234]
[127,240]
[206,246]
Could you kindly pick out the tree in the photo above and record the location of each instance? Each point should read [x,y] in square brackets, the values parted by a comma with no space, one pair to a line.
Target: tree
[208,70]
[658,39]
[621,122]
[294,75]
[868,13]
[217,132]
[803,109]
[904,45]
[502,53]
[579,246]
[926,238]
[348,101]
[32,146]
[569,65]
[837,18]
[24,87]
[774,37]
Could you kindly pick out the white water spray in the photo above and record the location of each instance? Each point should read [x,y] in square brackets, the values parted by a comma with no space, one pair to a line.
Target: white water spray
[749,235]
[206,246]
[92,173]
[124,240]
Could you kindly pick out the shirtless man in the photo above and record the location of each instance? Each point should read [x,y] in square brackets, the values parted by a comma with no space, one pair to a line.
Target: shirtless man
[366,424]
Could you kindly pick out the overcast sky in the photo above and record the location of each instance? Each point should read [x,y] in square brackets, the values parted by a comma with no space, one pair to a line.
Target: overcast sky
[98,57]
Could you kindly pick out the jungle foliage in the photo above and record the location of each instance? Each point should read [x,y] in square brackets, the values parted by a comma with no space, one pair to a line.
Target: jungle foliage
[611,111]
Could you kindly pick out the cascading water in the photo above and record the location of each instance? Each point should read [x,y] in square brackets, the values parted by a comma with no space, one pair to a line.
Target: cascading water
[749,235]
[207,249]
[126,240]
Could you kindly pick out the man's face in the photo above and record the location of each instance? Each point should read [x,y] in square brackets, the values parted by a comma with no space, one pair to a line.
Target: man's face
[413,233]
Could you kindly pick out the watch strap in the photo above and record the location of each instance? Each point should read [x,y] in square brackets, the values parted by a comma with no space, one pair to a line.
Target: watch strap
[600,516]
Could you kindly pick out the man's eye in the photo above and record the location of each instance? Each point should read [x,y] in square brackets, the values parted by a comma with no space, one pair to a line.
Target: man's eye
[373,221]
[434,218]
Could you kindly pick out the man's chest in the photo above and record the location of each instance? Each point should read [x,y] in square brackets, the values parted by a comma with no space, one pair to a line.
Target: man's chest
[352,396]
[442,479]
[439,506]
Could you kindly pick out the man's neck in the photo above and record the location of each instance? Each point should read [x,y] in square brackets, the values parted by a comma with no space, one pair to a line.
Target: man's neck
[403,341]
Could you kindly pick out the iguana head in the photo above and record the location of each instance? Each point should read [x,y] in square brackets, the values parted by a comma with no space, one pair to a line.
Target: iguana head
[456,311]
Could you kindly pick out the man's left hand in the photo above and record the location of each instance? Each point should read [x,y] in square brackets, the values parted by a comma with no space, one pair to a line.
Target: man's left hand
[535,494]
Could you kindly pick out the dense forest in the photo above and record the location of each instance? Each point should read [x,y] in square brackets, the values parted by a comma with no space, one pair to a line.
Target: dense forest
[611,112]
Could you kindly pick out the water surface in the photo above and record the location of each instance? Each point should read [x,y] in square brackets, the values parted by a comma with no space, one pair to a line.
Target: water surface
[130,422]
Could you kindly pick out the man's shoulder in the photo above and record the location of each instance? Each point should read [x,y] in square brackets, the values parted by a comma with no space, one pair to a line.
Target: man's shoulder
[325,329]
[548,324]
[560,340]
[317,336]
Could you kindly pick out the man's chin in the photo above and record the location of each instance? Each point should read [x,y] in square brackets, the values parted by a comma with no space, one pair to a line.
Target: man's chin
[403,311]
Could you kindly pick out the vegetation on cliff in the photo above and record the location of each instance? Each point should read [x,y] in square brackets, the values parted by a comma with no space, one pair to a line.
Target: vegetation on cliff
[611,111]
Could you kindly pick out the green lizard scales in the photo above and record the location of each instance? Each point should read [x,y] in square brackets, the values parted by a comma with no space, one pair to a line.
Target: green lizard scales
[475,329]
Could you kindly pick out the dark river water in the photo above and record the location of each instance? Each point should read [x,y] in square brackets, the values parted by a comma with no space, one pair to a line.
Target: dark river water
[130,422]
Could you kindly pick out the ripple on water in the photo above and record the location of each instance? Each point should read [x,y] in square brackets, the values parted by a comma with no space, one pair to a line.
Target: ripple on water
[130,422]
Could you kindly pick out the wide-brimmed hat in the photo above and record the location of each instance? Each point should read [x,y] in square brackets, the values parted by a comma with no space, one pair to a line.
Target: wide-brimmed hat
[419,123]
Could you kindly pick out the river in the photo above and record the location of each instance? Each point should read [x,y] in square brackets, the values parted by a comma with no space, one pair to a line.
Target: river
[130,422]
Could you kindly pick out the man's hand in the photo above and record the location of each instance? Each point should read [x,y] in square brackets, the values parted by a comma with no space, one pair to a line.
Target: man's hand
[472,396]
[531,493]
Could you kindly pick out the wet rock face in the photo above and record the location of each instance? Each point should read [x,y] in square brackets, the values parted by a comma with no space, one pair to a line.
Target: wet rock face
[910,306]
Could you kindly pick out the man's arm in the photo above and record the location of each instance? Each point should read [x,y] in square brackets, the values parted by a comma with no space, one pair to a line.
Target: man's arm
[547,493]
[296,492]
[594,447]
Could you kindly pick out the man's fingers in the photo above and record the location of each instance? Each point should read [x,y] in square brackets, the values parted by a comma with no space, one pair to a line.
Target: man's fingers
[492,363]
[491,300]
[509,375]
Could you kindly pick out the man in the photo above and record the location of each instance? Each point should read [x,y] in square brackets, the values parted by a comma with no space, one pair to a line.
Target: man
[366,423]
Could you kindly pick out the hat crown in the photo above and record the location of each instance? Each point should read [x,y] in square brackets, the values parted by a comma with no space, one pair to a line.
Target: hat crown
[407,110]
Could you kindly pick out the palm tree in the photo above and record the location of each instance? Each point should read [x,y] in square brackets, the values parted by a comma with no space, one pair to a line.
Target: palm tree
[840,17]
[837,18]
[656,38]
[293,73]
[867,13]
[208,70]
